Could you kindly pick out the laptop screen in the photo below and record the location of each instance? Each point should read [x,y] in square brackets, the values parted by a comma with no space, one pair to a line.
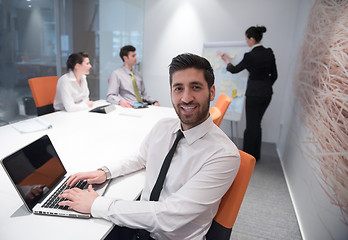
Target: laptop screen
[34,170]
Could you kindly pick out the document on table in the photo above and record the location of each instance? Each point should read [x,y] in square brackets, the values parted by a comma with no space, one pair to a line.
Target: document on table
[31,125]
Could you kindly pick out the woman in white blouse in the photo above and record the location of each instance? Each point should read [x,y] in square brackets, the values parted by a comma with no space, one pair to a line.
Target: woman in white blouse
[72,92]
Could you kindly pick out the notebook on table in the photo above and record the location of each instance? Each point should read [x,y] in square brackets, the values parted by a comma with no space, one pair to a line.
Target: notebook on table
[39,176]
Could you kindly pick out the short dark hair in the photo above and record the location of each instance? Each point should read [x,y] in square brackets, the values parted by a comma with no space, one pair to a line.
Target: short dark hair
[125,50]
[255,32]
[75,58]
[189,60]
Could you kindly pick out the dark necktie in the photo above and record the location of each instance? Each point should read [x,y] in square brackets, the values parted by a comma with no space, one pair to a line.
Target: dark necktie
[164,169]
[156,191]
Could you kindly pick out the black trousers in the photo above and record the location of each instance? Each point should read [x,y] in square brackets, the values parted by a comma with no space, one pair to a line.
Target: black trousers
[255,108]
[125,233]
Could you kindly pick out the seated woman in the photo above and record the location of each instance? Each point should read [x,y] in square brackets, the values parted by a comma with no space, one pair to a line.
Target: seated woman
[72,92]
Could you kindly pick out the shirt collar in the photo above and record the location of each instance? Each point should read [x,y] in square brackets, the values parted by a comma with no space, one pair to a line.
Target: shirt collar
[127,70]
[71,76]
[256,45]
[197,132]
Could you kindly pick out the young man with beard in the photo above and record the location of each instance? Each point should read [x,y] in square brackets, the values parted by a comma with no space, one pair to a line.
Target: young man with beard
[202,169]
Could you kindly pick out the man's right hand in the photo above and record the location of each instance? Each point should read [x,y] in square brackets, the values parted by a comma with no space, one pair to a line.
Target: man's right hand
[124,103]
[93,177]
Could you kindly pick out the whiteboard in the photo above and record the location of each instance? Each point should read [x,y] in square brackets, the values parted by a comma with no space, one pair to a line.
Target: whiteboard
[226,82]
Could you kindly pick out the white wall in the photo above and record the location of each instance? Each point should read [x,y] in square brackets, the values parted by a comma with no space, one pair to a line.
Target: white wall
[173,27]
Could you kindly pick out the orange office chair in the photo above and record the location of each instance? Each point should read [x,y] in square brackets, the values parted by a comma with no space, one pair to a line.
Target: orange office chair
[221,104]
[44,92]
[215,114]
[223,222]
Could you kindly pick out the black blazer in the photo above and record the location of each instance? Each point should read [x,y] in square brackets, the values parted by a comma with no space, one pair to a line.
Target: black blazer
[260,62]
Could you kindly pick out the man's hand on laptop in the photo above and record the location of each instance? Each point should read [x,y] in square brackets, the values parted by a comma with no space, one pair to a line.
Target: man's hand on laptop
[93,177]
[79,200]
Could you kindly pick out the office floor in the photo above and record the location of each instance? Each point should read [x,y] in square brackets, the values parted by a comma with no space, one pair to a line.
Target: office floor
[267,212]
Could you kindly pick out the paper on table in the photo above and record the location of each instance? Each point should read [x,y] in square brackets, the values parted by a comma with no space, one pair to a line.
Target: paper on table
[31,125]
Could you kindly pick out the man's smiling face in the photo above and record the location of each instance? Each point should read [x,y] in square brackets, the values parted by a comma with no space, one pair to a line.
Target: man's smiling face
[191,97]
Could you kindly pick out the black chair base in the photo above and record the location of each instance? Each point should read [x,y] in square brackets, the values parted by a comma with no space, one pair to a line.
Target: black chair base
[217,231]
[45,110]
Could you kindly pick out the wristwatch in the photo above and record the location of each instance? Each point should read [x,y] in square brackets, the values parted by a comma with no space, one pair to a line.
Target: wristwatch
[107,172]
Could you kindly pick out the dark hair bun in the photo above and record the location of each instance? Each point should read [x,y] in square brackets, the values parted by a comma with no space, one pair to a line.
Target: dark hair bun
[75,58]
[261,29]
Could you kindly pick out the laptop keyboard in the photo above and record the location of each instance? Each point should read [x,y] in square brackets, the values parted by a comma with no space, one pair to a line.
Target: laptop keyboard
[53,201]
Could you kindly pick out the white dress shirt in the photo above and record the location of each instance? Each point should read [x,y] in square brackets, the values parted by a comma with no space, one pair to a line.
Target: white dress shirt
[204,166]
[70,96]
[121,87]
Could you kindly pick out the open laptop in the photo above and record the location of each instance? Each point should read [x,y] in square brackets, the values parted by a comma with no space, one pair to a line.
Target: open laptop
[36,172]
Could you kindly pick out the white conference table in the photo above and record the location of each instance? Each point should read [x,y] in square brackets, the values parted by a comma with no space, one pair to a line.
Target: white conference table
[84,141]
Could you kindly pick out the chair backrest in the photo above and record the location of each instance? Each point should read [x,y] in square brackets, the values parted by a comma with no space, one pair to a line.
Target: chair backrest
[222,104]
[44,92]
[223,222]
[215,114]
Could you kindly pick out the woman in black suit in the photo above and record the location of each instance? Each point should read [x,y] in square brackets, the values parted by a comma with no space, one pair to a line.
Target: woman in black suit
[260,62]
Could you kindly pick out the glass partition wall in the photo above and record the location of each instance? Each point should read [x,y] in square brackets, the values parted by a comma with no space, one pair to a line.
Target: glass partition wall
[37,36]
[27,49]
[121,23]
[78,30]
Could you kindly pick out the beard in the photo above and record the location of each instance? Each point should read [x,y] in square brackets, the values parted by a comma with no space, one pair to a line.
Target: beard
[199,115]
